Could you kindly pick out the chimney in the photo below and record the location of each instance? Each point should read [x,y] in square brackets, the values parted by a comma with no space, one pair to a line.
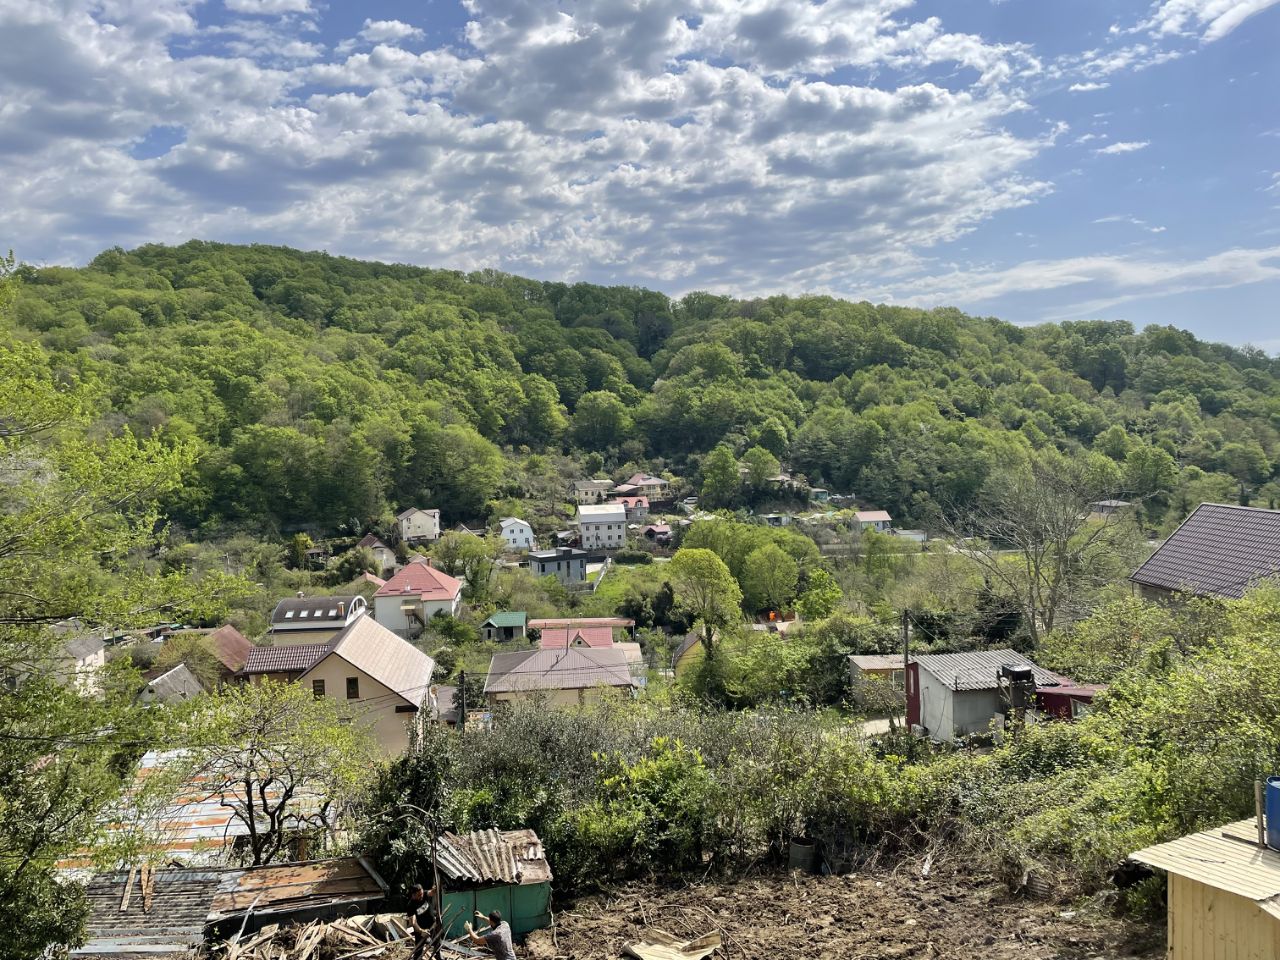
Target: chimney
[342,609]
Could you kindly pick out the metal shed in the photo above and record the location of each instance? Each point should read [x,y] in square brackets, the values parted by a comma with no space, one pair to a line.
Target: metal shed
[504,870]
[1224,894]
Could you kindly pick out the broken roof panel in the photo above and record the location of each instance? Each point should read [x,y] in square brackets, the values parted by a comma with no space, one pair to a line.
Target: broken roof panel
[287,887]
[493,856]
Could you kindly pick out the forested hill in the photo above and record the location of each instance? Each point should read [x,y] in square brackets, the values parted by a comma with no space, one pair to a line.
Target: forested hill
[324,390]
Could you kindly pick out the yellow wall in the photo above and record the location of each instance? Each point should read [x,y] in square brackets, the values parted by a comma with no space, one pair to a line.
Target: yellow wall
[1209,924]
[389,728]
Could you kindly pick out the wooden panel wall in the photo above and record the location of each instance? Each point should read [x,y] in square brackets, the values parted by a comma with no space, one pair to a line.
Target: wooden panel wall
[1209,924]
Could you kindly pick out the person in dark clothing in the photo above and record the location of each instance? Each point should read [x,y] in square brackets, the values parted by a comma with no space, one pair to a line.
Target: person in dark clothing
[422,918]
[497,937]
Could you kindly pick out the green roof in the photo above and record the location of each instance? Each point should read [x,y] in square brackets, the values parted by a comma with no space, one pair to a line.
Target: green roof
[507,618]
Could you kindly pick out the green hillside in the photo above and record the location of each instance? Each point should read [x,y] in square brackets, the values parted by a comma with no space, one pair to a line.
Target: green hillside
[324,390]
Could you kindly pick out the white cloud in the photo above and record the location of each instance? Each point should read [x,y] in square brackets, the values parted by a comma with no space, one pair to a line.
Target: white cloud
[1087,87]
[1209,20]
[268,7]
[1106,281]
[389,31]
[1132,221]
[1123,146]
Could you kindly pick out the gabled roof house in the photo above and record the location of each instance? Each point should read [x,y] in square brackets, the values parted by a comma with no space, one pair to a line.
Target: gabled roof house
[1220,550]
[408,601]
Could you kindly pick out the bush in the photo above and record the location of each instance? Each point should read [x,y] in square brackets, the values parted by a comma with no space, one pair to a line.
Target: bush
[630,557]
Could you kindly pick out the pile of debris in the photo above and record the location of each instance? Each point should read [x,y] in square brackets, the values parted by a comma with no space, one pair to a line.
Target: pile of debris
[373,935]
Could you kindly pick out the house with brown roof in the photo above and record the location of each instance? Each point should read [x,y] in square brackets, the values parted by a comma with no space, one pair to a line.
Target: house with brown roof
[383,680]
[1220,550]
[226,643]
[407,602]
[564,677]
[878,520]
[646,485]
[383,554]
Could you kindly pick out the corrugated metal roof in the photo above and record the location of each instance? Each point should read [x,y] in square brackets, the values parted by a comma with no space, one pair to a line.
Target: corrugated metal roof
[574,669]
[507,618]
[1220,550]
[1226,858]
[493,856]
[293,610]
[299,657]
[543,623]
[390,659]
[561,638]
[979,669]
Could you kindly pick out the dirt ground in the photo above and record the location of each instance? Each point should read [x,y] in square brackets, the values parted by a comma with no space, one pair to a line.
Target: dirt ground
[867,916]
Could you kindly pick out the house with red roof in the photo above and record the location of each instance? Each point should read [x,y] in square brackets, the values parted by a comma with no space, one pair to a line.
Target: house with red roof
[637,507]
[581,637]
[407,602]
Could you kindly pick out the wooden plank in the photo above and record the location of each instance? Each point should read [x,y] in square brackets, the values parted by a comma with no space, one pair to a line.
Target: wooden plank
[128,890]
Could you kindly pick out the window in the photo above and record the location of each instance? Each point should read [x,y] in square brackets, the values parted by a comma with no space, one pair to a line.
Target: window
[317,689]
[353,688]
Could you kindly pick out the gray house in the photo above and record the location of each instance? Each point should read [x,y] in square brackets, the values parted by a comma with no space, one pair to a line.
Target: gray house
[566,564]
[953,695]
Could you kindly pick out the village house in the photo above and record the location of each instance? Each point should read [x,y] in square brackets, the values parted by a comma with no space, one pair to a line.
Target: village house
[637,507]
[505,625]
[582,637]
[566,564]
[820,495]
[884,666]
[951,695]
[591,491]
[83,657]
[603,526]
[658,533]
[384,680]
[646,485]
[564,677]
[1219,551]
[408,601]
[1103,509]
[1223,893]
[688,654]
[515,533]
[419,525]
[226,643]
[171,686]
[311,620]
[383,554]
[878,520]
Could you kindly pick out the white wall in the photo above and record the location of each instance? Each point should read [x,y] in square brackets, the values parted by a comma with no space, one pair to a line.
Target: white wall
[421,525]
[386,610]
[518,536]
[603,535]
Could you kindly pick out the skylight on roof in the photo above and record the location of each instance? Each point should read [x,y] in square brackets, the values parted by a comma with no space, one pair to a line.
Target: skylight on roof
[333,611]
[303,614]
[288,614]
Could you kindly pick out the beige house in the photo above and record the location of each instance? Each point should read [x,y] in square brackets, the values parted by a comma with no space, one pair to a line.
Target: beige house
[383,680]
[417,524]
[565,678]
[591,491]
[408,601]
[602,526]
[384,555]
[82,659]
[645,485]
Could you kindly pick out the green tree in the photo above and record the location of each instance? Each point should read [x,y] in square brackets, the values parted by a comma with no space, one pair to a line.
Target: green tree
[769,578]
[705,590]
[281,760]
[468,558]
[721,482]
[821,596]
[761,465]
[600,421]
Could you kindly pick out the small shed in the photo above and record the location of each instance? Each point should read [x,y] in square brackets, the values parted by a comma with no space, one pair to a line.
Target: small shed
[506,625]
[1224,894]
[503,870]
[886,665]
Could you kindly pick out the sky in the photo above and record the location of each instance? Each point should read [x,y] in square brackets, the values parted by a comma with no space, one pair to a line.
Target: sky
[1028,159]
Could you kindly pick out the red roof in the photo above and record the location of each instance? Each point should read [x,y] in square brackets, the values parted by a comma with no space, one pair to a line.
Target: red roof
[631,501]
[230,646]
[419,579]
[561,638]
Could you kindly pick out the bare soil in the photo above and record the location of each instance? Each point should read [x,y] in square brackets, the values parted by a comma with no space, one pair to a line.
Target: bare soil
[873,915]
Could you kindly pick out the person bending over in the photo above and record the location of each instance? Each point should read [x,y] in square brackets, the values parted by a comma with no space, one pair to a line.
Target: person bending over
[497,936]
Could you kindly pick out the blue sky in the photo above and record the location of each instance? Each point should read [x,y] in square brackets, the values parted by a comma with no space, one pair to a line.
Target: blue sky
[1028,159]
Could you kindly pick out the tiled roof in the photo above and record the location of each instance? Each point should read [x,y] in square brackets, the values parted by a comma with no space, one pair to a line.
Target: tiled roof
[1219,550]
[417,578]
[299,657]
[559,638]
[646,480]
[372,542]
[230,646]
[873,516]
[544,622]
[572,669]
[394,662]
[170,921]
[405,514]
[978,670]
[631,501]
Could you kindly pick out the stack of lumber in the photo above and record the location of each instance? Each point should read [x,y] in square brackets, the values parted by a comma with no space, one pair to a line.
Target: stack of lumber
[352,938]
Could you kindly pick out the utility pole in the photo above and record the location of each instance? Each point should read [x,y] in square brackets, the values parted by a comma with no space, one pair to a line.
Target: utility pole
[462,702]
[906,662]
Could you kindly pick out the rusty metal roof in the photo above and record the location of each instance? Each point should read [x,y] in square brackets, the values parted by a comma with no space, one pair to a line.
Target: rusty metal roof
[493,856]
[287,887]
[298,657]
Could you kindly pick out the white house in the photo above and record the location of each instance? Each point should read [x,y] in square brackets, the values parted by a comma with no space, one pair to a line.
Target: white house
[878,520]
[417,524]
[515,533]
[384,681]
[83,658]
[408,601]
[384,555]
[602,526]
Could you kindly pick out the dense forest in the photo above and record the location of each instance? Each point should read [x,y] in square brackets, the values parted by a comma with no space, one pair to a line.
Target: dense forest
[323,393]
